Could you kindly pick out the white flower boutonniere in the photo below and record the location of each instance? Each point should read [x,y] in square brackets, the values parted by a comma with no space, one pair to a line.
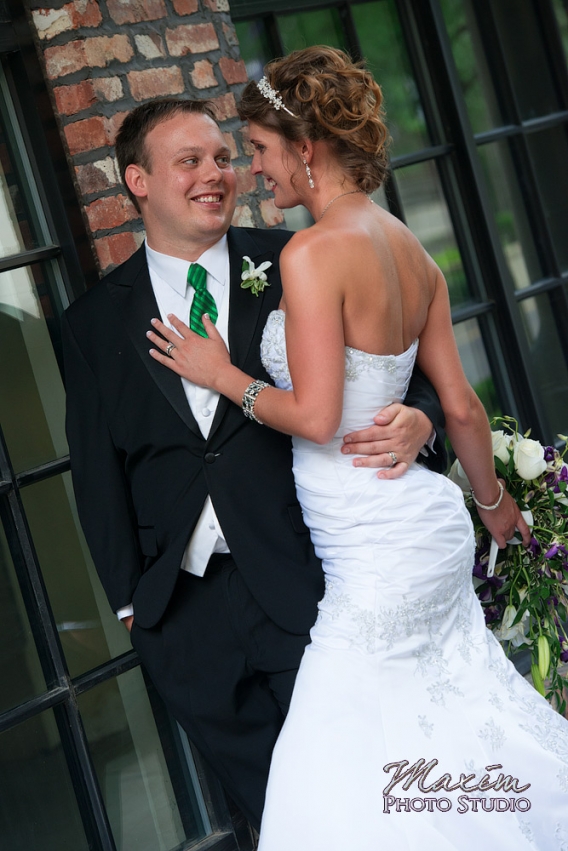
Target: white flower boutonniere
[254,278]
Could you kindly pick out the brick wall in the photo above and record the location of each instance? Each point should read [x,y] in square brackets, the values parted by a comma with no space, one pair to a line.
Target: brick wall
[104,57]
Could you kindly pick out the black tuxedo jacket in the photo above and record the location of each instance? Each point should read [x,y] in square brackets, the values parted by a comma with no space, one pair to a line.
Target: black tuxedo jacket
[142,470]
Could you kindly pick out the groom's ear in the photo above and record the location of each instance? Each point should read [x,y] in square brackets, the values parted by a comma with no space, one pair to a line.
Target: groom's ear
[135,179]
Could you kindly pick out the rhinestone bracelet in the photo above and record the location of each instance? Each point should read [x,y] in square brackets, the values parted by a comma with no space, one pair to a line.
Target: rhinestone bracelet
[249,398]
[495,505]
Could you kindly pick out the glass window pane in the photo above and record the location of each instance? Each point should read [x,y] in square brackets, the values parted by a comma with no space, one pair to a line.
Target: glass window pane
[469,56]
[144,811]
[20,671]
[526,57]
[561,12]
[547,360]
[89,631]
[510,214]
[254,46]
[382,45]
[306,28]
[426,214]
[549,155]
[38,808]
[22,225]
[475,364]
[33,400]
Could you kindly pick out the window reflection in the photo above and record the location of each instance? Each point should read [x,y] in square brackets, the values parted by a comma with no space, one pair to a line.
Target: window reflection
[547,360]
[33,400]
[38,808]
[549,155]
[427,216]
[254,47]
[476,365]
[144,811]
[20,672]
[89,631]
[307,28]
[510,214]
[382,45]
[471,64]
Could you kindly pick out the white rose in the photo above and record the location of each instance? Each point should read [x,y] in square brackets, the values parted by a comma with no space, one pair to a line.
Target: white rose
[458,477]
[501,443]
[529,459]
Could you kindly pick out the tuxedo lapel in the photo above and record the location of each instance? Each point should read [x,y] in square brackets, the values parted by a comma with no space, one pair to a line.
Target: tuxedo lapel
[133,294]
[245,309]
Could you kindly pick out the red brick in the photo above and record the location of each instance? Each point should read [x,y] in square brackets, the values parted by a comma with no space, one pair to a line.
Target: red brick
[230,34]
[150,45]
[155,82]
[191,38]
[233,71]
[247,147]
[231,144]
[86,135]
[97,177]
[186,7]
[225,106]
[271,215]
[65,59]
[113,125]
[51,22]
[110,212]
[242,217]
[84,13]
[246,181]
[72,99]
[202,75]
[108,88]
[103,50]
[132,11]
[115,248]
[217,5]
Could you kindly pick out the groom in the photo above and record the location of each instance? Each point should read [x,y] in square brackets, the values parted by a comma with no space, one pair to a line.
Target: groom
[168,475]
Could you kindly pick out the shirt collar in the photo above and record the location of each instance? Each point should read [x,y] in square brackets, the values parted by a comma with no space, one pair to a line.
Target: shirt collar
[173,270]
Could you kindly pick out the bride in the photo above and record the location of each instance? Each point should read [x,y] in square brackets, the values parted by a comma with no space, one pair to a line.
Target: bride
[408,729]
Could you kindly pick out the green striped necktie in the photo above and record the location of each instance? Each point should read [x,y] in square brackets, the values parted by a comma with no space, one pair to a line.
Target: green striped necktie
[203,301]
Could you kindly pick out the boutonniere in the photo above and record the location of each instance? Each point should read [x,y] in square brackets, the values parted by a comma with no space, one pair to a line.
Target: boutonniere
[254,278]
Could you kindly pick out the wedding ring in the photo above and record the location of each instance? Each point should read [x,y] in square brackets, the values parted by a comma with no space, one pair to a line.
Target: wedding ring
[394,459]
[171,346]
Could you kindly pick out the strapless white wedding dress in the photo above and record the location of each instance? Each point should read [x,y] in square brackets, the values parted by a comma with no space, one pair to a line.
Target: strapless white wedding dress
[401,670]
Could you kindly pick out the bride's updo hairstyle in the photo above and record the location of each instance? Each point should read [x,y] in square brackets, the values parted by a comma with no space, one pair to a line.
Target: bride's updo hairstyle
[325,97]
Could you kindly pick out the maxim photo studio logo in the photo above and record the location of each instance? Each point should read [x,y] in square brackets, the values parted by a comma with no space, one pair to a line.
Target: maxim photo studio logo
[425,787]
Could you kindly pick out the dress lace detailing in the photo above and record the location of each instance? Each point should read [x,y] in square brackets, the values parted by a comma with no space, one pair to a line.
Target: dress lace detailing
[357,362]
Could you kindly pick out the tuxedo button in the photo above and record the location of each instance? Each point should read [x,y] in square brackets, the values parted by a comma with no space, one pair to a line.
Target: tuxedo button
[206,412]
[210,457]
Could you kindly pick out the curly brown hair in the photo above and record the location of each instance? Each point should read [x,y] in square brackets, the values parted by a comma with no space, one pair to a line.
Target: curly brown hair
[332,99]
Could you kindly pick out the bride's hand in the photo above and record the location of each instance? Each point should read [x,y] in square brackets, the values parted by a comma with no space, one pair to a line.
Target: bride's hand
[504,521]
[183,351]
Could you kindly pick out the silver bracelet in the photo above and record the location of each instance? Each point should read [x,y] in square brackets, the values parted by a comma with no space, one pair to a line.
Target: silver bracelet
[249,399]
[490,507]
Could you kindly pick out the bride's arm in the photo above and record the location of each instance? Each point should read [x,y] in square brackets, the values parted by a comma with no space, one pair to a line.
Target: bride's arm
[315,345]
[467,425]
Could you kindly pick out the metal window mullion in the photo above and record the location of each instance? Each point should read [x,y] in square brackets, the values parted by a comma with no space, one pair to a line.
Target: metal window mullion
[350,30]
[273,34]
[546,20]
[495,57]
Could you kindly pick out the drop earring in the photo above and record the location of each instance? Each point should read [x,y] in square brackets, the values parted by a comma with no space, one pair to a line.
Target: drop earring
[309,174]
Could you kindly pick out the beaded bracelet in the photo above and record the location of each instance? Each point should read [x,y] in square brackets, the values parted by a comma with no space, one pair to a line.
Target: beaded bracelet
[249,398]
[490,507]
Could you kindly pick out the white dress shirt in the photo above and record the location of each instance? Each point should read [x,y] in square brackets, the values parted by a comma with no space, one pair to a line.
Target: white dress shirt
[168,276]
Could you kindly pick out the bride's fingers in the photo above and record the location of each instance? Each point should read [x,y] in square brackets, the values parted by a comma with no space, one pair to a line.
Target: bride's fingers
[180,326]
[170,335]
[395,472]
[161,343]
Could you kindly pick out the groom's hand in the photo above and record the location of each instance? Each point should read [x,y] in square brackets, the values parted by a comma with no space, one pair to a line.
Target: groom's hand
[398,429]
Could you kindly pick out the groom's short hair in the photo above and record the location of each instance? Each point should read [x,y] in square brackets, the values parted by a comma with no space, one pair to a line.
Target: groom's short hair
[130,144]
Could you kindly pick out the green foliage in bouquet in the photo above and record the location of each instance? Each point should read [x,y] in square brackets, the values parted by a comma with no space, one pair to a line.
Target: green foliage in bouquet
[525,598]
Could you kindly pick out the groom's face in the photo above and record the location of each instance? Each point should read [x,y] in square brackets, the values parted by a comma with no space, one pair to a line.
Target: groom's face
[188,193]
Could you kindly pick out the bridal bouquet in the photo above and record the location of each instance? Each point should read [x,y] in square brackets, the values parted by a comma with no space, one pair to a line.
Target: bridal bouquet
[524,591]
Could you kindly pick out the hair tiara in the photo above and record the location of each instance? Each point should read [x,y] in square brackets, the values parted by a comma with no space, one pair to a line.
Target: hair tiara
[273,96]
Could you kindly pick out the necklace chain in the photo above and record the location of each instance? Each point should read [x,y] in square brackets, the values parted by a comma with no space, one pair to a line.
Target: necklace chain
[329,203]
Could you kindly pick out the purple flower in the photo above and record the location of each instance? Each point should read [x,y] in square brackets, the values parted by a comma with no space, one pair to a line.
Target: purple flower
[534,546]
[564,656]
[549,453]
[553,551]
